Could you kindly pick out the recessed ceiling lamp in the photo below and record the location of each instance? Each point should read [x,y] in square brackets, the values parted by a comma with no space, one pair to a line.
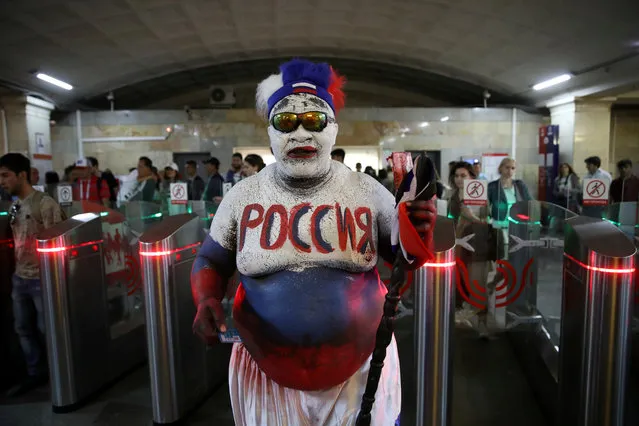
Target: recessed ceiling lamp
[424,124]
[552,82]
[54,81]
[444,119]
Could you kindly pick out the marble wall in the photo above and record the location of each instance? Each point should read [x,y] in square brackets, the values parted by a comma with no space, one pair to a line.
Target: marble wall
[467,132]
[624,137]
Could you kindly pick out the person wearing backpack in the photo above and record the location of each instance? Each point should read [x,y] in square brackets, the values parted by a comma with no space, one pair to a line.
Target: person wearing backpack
[31,213]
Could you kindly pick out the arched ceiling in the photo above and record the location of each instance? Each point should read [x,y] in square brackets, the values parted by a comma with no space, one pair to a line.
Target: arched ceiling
[445,49]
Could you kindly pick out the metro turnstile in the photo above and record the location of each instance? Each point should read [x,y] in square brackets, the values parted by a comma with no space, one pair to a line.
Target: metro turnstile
[83,354]
[11,358]
[183,370]
[434,322]
[598,296]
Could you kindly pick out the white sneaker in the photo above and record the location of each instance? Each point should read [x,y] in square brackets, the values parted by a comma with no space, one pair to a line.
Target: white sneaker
[465,314]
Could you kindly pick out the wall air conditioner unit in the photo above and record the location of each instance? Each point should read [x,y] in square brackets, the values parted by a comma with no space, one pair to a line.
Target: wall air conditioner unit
[221,96]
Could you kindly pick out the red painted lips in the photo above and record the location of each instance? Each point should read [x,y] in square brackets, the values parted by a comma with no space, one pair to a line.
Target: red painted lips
[302,152]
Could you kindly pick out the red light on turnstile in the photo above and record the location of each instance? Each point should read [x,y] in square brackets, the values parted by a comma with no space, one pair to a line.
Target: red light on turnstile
[61,249]
[522,217]
[439,265]
[52,249]
[178,257]
[95,247]
[168,252]
[74,253]
[598,269]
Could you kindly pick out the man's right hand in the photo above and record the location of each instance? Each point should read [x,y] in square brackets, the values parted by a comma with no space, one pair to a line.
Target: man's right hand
[209,319]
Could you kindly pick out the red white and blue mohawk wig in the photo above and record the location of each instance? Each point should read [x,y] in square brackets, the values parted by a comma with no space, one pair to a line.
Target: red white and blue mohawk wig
[301,76]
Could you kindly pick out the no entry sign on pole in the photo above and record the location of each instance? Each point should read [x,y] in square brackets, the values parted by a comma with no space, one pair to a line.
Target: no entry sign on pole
[595,192]
[65,195]
[179,193]
[475,192]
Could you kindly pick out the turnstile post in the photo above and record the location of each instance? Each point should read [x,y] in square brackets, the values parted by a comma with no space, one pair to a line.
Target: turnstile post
[598,275]
[434,322]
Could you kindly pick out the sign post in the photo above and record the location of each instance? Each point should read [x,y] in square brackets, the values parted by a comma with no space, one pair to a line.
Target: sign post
[475,192]
[179,193]
[595,192]
[65,195]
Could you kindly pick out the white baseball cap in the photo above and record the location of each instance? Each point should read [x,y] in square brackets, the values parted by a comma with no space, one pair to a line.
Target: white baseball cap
[174,167]
[82,162]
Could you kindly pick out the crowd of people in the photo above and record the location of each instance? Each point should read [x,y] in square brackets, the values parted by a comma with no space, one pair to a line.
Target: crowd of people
[146,182]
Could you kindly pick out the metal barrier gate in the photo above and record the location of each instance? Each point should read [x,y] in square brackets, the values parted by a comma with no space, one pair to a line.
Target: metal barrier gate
[598,297]
[84,354]
[434,322]
[11,358]
[183,370]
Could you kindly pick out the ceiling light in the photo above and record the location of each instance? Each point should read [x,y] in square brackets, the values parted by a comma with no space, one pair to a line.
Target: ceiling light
[424,124]
[552,82]
[54,81]
[405,130]
[444,119]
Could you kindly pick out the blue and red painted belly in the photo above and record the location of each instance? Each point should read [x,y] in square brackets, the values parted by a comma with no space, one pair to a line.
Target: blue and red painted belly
[312,329]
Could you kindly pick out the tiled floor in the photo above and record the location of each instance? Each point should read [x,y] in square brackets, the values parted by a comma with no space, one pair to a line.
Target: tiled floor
[489,389]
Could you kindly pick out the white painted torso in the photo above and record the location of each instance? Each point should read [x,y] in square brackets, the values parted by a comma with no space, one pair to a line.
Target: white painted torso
[345,189]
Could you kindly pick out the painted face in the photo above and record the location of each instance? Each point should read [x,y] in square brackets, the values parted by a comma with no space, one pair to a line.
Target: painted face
[302,153]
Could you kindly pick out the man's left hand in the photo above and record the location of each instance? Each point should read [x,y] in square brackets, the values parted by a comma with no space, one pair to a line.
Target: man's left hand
[422,214]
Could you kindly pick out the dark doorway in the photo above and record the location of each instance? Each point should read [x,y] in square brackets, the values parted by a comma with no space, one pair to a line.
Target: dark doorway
[181,158]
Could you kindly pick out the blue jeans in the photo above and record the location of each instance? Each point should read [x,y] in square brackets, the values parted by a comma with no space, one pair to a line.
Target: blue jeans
[29,322]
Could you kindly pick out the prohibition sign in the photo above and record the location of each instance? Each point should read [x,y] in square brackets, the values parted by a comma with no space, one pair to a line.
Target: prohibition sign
[596,188]
[178,192]
[65,194]
[475,190]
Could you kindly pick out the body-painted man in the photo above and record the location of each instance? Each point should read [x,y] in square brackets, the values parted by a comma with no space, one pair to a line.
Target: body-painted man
[305,235]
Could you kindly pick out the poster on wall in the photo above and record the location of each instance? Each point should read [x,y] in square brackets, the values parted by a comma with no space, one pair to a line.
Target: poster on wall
[490,164]
[41,157]
[40,146]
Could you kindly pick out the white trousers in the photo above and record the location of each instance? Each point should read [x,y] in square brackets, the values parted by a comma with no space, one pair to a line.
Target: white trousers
[259,401]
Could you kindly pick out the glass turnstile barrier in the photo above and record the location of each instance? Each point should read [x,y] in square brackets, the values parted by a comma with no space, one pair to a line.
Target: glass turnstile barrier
[94,305]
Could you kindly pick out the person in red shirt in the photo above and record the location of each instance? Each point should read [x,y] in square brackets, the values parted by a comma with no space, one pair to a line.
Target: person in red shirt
[89,187]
